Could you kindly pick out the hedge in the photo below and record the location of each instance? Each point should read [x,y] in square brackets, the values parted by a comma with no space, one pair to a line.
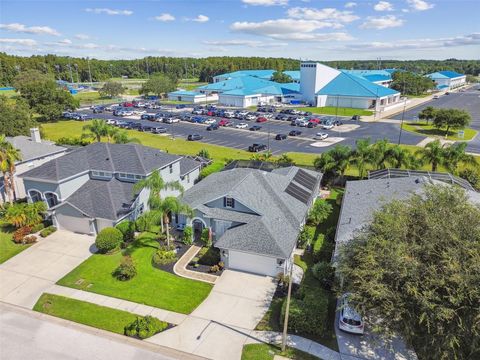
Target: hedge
[108,240]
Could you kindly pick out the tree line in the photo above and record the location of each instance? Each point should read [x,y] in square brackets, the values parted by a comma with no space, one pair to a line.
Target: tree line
[74,69]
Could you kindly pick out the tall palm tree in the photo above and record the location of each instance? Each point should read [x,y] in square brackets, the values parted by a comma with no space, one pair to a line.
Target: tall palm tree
[9,155]
[380,154]
[455,155]
[400,157]
[155,183]
[433,153]
[96,128]
[111,133]
[362,156]
[334,161]
[171,205]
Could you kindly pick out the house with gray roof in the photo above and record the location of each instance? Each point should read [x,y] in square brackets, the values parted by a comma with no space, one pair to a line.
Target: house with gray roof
[91,187]
[34,152]
[254,216]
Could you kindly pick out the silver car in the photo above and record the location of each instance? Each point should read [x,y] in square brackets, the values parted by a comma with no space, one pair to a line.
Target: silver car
[349,320]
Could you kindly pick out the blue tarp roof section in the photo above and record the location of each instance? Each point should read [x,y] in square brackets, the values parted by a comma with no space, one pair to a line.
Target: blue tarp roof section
[346,84]
[249,85]
[446,74]
[186,92]
[294,74]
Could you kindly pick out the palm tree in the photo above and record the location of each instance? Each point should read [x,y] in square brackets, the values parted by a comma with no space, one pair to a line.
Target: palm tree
[455,154]
[97,129]
[24,214]
[8,157]
[334,161]
[111,133]
[171,205]
[433,153]
[284,159]
[121,137]
[362,156]
[400,157]
[380,154]
[155,183]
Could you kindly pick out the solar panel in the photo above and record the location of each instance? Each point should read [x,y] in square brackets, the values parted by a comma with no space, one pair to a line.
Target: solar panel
[305,179]
[298,193]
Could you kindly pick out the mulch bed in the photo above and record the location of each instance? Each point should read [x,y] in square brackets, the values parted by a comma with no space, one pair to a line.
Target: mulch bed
[181,249]
[203,269]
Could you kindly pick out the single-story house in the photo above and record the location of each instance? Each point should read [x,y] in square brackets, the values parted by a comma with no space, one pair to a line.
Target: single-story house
[91,188]
[254,216]
[448,80]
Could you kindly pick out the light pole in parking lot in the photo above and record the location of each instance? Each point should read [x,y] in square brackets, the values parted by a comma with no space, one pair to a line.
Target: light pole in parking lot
[268,139]
[401,123]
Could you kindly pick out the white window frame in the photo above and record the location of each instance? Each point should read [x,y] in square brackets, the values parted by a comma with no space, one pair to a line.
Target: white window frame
[229,200]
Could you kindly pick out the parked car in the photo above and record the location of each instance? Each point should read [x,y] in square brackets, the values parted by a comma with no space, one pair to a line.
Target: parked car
[250,117]
[194,137]
[198,119]
[320,136]
[302,123]
[242,126]
[311,125]
[356,117]
[295,133]
[257,147]
[224,122]
[228,114]
[127,104]
[261,119]
[139,112]
[171,120]
[280,137]
[435,97]
[255,128]
[314,120]
[111,121]
[150,117]
[180,106]
[158,130]
[327,126]
[98,109]
[146,128]
[212,127]
[349,320]
[337,123]
[242,113]
[197,111]
[210,121]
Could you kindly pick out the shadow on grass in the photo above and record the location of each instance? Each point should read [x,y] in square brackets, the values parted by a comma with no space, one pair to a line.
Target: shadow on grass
[143,241]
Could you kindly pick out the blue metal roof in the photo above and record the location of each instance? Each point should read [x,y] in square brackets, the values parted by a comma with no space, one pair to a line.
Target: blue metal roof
[262,74]
[371,75]
[185,92]
[294,74]
[346,84]
[249,85]
[446,74]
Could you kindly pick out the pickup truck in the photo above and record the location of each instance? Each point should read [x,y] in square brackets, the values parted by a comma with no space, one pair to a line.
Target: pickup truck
[257,147]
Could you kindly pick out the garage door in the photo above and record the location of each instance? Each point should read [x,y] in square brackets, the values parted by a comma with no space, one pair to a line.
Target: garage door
[71,219]
[256,264]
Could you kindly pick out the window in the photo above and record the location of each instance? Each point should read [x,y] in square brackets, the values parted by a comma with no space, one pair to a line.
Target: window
[170,168]
[280,262]
[188,178]
[35,195]
[51,199]
[229,202]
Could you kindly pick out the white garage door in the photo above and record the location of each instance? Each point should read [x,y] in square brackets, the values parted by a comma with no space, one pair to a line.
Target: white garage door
[74,224]
[256,264]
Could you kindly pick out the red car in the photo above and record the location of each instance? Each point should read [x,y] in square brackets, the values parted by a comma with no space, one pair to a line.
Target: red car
[261,119]
[314,120]
[224,122]
[127,104]
[211,113]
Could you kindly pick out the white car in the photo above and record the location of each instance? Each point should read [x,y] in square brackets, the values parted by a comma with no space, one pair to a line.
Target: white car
[111,121]
[197,112]
[250,117]
[242,113]
[349,320]
[172,120]
[320,136]
[242,126]
[302,123]
[228,114]
[210,121]
[127,113]
[139,112]
[327,126]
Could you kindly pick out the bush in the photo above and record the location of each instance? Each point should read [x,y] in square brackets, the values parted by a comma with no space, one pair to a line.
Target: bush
[48,231]
[108,240]
[319,212]
[210,169]
[37,228]
[204,153]
[209,256]
[164,256]
[324,272]
[20,234]
[144,327]
[145,222]
[127,228]
[126,270]
[205,238]
[187,235]
[214,269]
[221,265]
[29,239]
[305,237]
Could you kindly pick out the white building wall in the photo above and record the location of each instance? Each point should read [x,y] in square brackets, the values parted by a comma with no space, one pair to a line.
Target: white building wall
[349,102]
[67,188]
[313,77]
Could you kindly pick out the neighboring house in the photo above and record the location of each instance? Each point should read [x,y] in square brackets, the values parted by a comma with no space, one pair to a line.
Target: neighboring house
[362,198]
[91,187]
[34,152]
[448,80]
[254,216]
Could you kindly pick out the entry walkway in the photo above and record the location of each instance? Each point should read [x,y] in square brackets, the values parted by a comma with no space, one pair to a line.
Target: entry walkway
[180,267]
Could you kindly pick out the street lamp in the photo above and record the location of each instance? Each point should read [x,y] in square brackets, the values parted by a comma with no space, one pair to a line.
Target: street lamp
[287,310]
[401,123]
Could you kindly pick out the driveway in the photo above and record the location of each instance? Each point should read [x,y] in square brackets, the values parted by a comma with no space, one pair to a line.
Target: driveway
[220,326]
[27,275]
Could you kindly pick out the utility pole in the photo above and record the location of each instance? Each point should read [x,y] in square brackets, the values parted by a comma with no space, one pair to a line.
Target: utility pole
[401,123]
[148,70]
[287,310]
[76,70]
[89,71]
[71,76]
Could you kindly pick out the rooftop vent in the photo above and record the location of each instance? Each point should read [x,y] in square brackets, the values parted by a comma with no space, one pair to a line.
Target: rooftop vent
[35,135]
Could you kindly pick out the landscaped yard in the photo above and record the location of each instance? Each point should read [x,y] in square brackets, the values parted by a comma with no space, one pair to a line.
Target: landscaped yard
[332,110]
[429,130]
[267,352]
[150,286]
[8,248]
[82,312]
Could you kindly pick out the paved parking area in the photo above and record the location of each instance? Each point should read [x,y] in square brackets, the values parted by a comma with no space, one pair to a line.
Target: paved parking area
[27,275]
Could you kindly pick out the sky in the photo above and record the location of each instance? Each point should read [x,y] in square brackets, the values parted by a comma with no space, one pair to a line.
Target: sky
[300,29]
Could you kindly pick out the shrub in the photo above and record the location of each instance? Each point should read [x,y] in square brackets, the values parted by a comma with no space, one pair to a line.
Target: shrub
[127,228]
[221,265]
[20,234]
[205,238]
[145,222]
[324,272]
[37,228]
[209,256]
[164,256]
[29,239]
[187,235]
[144,327]
[108,240]
[48,231]
[305,237]
[214,269]
[319,212]
[126,270]
[204,153]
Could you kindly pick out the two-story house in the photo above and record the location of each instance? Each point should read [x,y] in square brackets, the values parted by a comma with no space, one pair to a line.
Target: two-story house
[253,216]
[91,188]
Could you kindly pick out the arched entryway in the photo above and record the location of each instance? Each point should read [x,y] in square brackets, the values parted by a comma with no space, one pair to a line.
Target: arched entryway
[198,225]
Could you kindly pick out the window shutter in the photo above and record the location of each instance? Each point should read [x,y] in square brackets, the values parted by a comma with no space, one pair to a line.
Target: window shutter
[224,202]
[233,203]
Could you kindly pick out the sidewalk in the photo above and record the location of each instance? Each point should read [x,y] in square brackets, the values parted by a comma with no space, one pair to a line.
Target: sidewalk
[180,267]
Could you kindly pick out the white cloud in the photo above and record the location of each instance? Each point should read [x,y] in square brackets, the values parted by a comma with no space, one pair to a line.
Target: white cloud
[248,43]
[383,6]
[109,11]
[327,14]
[317,37]
[280,27]
[201,18]
[382,22]
[65,42]
[350,4]
[82,37]
[21,42]
[21,28]
[165,17]
[419,5]
[265,2]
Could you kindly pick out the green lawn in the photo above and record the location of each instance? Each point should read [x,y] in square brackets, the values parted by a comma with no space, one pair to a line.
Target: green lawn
[428,130]
[8,93]
[268,351]
[82,312]
[8,248]
[151,286]
[332,110]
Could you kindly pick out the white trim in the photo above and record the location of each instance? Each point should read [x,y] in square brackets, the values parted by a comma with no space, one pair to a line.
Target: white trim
[198,218]
[33,189]
[51,192]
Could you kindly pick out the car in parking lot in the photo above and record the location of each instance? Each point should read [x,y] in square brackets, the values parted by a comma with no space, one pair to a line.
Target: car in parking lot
[111,121]
[327,126]
[224,122]
[349,320]
[171,120]
[257,147]
[158,130]
[228,114]
[212,127]
[145,128]
[435,97]
[98,109]
[295,133]
[127,104]
[280,137]
[241,114]
[180,106]
[337,123]
[150,117]
[255,128]
[198,119]
[210,121]
[241,126]
[194,137]
[302,123]
[261,119]
[311,125]
[77,116]
[356,117]
[250,117]
[320,136]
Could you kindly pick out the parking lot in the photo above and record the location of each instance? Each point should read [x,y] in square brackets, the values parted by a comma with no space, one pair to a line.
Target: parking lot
[345,134]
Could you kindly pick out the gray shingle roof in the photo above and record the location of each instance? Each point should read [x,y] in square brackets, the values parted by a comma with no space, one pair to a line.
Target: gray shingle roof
[363,197]
[31,150]
[274,231]
[131,158]
[187,165]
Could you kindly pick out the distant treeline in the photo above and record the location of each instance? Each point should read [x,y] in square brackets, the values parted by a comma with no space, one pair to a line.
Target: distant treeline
[80,69]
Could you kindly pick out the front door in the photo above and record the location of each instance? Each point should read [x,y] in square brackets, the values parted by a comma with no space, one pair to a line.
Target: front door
[197,229]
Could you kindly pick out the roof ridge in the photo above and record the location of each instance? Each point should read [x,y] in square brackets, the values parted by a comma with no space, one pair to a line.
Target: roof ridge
[140,160]
[107,146]
[359,82]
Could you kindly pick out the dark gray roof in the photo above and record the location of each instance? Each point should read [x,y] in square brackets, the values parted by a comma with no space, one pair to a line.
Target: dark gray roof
[363,197]
[31,150]
[187,165]
[131,158]
[228,215]
[103,199]
[275,229]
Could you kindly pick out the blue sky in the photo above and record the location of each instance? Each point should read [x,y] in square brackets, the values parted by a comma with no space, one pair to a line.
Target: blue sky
[307,29]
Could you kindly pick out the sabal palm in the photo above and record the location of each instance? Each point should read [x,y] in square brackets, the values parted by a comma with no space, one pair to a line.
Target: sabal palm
[433,153]
[399,157]
[97,129]
[121,137]
[335,160]
[23,214]
[110,133]
[380,154]
[171,205]
[9,155]
[362,156]
[455,155]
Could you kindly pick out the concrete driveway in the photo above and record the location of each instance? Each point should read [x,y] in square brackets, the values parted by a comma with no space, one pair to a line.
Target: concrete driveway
[27,275]
[220,326]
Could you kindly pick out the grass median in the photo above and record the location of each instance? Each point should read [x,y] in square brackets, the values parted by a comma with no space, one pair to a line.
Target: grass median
[425,129]
[268,352]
